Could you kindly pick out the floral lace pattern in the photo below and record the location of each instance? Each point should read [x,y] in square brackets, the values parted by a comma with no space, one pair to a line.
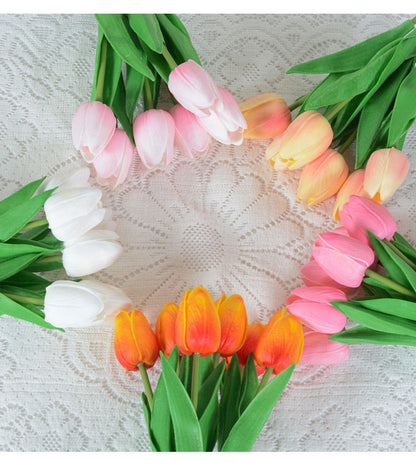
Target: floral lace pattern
[225,221]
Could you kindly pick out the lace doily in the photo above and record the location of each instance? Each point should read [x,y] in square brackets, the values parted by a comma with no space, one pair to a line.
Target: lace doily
[225,221]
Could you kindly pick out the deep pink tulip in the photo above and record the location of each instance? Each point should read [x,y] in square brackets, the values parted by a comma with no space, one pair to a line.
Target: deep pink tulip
[319,350]
[312,275]
[112,165]
[93,126]
[226,124]
[360,214]
[311,306]
[190,138]
[343,258]
[154,134]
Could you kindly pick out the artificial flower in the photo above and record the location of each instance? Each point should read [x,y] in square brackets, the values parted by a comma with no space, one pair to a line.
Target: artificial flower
[165,327]
[254,330]
[319,350]
[312,274]
[233,318]
[77,178]
[353,185]
[267,115]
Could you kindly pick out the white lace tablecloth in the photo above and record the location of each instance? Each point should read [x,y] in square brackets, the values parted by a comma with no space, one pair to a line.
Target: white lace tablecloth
[226,221]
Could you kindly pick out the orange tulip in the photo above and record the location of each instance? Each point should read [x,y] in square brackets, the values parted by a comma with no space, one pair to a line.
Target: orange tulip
[353,185]
[281,342]
[233,318]
[254,331]
[267,115]
[322,178]
[385,171]
[198,327]
[134,340]
[165,327]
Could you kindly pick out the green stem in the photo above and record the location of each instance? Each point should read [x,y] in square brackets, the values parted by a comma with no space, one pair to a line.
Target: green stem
[101,71]
[48,259]
[196,357]
[147,95]
[347,143]
[37,223]
[334,111]
[23,299]
[169,59]
[146,384]
[400,254]
[390,283]
[265,379]
[298,102]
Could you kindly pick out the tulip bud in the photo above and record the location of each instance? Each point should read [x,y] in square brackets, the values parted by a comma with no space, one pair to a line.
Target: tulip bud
[353,185]
[306,138]
[312,275]
[78,178]
[280,343]
[165,328]
[93,126]
[322,178]
[233,318]
[81,304]
[134,340]
[385,171]
[254,330]
[154,134]
[267,116]
[319,350]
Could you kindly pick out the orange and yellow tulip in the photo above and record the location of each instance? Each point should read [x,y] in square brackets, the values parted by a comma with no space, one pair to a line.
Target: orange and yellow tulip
[353,185]
[198,327]
[280,343]
[233,318]
[254,330]
[165,328]
[134,340]
[267,116]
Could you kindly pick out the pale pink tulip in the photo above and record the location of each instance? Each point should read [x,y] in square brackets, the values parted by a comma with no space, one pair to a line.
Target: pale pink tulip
[322,178]
[267,116]
[353,185]
[312,275]
[319,350]
[343,258]
[311,306]
[306,138]
[360,214]
[226,124]
[112,165]
[385,171]
[93,126]
[190,138]
[154,134]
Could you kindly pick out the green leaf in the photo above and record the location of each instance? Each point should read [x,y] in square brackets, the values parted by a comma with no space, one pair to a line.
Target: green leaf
[250,383]
[354,57]
[9,267]
[46,264]
[12,249]
[158,62]
[185,372]
[28,280]
[133,90]
[112,74]
[188,436]
[330,79]
[13,291]
[148,418]
[404,246]
[359,334]
[118,106]
[20,196]
[206,366]
[175,20]
[36,234]
[246,430]
[98,53]
[146,27]
[395,307]
[118,35]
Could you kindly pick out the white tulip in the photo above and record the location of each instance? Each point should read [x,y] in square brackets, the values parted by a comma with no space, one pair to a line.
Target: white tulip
[78,178]
[82,304]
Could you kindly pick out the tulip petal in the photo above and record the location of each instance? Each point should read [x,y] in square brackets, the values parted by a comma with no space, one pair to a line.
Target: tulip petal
[165,327]
[233,318]
[319,350]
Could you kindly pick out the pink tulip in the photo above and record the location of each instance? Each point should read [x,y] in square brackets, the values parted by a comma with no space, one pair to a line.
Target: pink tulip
[360,214]
[154,134]
[322,178]
[353,185]
[311,306]
[93,126]
[194,89]
[112,165]
[226,124]
[385,171]
[312,275]
[319,350]
[343,258]
[190,136]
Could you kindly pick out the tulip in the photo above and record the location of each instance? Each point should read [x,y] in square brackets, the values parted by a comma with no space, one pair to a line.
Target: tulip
[198,327]
[322,178]
[226,124]
[190,136]
[165,328]
[92,252]
[361,214]
[343,258]
[154,134]
[312,275]
[134,340]
[353,185]
[280,343]
[385,171]
[78,178]
[112,165]
[93,126]
[311,305]
[233,318]
[73,212]
[254,330]
[319,350]
[194,89]
[306,138]
[267,116]
[81,304]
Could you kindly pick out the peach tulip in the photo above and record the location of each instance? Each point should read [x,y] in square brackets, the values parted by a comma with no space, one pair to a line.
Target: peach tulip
[319,350]
[233,318]
[385,171]
[165,328]
[353,185]
[267,116]
[306,138]
[322,178]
